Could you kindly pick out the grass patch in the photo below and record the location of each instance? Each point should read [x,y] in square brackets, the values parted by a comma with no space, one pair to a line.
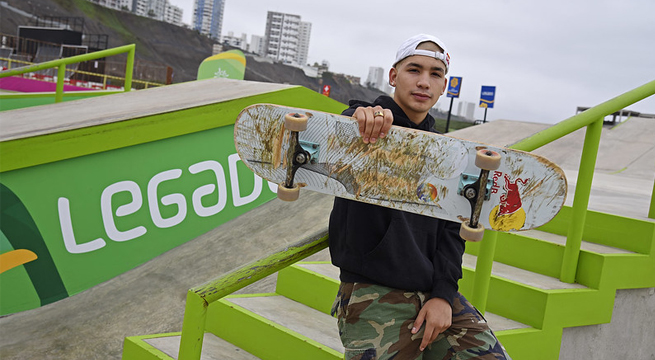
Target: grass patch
[440,125]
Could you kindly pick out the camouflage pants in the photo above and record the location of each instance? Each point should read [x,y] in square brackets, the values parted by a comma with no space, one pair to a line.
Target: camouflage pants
[375,323]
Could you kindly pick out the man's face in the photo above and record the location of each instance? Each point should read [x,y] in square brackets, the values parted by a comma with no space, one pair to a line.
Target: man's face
[419,81]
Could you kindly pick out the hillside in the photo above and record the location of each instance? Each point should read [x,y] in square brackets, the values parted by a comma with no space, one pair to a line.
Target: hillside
[163,43]
[168,45]
[156,41]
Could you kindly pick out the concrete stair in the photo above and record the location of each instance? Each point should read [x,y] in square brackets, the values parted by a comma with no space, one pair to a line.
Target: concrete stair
[213,348]
[302,312]
[527,303]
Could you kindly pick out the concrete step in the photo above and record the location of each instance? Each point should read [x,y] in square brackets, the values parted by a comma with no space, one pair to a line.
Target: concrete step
[330,274]
[541,252]
[213,348]
[273,327]
[586,246]
[521,276]
[515,294]
[322,328]
[297,317]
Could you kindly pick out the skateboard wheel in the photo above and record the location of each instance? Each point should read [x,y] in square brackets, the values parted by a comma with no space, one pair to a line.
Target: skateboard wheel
[486,159]
[295,122]
[471,234]
[288,194]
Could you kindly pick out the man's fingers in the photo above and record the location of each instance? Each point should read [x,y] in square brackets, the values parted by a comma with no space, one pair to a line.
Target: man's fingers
[377,123]
[427,337]
[388,121]
[360,116]
[374,122]
[418,322]
[370,125]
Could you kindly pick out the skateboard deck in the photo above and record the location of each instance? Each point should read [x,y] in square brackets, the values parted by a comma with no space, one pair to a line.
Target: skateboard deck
[409,170]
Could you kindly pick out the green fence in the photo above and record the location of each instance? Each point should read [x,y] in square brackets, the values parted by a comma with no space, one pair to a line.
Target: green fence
[199,298]
[60,64]
[593,120]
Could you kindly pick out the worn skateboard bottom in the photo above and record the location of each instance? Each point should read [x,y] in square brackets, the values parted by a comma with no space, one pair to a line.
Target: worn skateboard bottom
[409,170]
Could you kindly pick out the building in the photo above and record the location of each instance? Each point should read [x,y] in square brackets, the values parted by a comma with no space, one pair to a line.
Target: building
[115,4]
[375,77]
[140,7]
[303,42]
[153,9]
[466,110]
[208,17]
[287,38]
[160,10]
[257,44]
[237,42]
[173,14]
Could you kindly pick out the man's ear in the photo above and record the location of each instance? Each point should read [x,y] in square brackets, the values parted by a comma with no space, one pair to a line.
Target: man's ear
[445,86]
[393,72]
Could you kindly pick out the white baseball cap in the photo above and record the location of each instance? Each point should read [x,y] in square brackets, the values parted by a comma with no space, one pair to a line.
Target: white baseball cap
[409,48]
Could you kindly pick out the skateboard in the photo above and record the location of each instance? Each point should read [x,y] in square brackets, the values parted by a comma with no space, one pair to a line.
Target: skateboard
[479,185]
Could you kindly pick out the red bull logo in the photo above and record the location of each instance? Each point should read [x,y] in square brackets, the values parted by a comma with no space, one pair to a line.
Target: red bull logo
[509,214]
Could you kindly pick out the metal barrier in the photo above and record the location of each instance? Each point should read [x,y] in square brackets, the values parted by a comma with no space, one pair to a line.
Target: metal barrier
[60,64]
[593,120]
[199,298]
[71,72]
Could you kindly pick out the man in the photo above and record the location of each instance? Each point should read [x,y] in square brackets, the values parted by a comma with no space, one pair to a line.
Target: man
[398,297]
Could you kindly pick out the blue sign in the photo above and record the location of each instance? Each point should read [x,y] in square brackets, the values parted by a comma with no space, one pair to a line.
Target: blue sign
[487,96]
[454,86]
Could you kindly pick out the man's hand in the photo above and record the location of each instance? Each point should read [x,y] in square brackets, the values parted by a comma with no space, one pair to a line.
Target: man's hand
[374,122]
[437,315]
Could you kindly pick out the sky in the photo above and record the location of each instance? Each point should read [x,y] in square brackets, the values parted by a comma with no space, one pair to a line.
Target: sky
[545,58]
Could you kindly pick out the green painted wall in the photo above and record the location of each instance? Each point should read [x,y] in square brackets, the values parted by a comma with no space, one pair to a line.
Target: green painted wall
[101,200]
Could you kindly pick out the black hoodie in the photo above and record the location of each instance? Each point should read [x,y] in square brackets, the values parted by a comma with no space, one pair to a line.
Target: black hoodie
[393,248]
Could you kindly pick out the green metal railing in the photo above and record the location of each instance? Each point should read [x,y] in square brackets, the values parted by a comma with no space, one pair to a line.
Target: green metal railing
[60,64]
[593,120]
[105,78]
[199,298]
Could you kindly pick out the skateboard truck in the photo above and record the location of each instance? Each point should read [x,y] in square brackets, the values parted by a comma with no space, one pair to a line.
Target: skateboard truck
[298,154]
[476,191]
[469,183]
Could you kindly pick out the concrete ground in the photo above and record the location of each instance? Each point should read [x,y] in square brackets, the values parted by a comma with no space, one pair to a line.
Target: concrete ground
[150,298]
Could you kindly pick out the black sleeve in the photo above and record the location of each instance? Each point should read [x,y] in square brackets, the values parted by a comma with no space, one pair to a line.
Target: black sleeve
[448,262]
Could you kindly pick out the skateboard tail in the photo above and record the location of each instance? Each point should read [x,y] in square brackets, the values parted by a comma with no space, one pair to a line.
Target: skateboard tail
[258,152]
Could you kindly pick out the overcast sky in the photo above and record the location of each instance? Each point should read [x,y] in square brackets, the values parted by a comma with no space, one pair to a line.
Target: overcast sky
[544,57]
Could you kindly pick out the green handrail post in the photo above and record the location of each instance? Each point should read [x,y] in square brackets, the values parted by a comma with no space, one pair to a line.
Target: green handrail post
[200,297]
[483,267]
[129,69]
[61,74]
[581,201]
[586,118]
[60,64]
[193,327]
[651,211]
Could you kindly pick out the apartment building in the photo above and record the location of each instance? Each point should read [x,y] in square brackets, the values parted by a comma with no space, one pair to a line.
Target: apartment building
[161,10]
[287,38]
[375,77]
[173,14]
[208,17]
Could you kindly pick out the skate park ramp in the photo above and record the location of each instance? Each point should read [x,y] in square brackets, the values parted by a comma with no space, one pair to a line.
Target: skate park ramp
[150,298]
